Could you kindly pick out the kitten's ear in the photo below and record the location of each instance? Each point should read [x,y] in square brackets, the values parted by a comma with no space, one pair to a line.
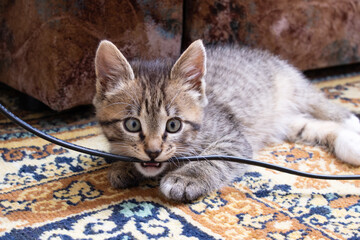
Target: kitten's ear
[111,67]
[191,67]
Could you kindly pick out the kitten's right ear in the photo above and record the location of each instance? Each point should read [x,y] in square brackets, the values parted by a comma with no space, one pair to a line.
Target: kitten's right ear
[111,67]
[191,67]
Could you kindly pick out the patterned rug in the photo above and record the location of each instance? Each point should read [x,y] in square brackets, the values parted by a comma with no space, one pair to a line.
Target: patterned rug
[48,192]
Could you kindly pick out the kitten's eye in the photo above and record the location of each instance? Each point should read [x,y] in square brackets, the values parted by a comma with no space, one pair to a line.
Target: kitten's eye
[132,125]
[173,125]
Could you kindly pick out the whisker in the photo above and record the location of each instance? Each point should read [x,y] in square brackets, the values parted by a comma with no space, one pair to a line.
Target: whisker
[172,161]
[117,103]
[173,99]
[137,106]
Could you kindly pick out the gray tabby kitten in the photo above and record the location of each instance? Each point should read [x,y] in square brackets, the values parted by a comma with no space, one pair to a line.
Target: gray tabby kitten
[225,100]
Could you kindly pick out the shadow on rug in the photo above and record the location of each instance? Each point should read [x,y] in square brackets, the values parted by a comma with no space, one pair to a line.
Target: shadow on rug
[47,192]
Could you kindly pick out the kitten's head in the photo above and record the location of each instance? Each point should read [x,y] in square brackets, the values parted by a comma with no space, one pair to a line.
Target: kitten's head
[150,110]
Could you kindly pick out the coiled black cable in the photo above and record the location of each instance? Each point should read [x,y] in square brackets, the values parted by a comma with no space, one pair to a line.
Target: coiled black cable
[113,157]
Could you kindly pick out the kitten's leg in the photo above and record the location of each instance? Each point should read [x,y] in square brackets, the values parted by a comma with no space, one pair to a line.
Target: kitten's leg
[343,139]
[337,126]
[319,107]
[196,179]
[123,175]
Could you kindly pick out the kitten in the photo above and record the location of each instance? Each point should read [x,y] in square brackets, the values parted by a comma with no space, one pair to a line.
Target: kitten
[219,101]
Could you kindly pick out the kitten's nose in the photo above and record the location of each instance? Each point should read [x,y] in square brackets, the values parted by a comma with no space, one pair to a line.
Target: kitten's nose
[153,154]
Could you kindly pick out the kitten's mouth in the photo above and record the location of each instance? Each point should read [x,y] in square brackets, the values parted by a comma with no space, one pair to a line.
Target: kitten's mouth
[151,165]
[150,169]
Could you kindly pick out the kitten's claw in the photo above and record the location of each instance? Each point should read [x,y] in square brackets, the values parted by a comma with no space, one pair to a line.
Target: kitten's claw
[182,188]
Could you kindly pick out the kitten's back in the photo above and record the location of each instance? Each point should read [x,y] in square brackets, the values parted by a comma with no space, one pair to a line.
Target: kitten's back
[262,91]
[253,85]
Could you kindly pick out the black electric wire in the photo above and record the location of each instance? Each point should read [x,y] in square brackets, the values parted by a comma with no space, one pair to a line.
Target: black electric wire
[113,157]
[37,132]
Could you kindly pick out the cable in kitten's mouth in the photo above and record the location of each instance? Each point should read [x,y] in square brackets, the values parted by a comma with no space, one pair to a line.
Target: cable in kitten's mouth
[112,157]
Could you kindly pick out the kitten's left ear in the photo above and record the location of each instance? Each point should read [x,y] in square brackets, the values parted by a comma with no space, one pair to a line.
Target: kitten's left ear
[191,68]
[111,67]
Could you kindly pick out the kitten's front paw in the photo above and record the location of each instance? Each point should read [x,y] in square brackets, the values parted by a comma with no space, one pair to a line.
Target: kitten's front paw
[182,188]
[122,177]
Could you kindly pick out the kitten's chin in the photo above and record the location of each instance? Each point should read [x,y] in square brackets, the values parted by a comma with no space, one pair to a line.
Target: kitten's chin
[151,169]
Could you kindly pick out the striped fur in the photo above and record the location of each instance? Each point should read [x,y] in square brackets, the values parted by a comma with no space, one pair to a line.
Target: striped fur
[247,100]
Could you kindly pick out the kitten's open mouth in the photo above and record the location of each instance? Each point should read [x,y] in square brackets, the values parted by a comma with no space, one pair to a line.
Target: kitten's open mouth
[150,169]
[151,165]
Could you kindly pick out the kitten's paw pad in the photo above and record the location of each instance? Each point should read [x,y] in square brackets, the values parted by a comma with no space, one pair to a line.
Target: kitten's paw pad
[347,147]
[182,188]
[121,179]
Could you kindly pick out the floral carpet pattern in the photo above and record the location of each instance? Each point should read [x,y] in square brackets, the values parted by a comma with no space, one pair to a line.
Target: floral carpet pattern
[48,192]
